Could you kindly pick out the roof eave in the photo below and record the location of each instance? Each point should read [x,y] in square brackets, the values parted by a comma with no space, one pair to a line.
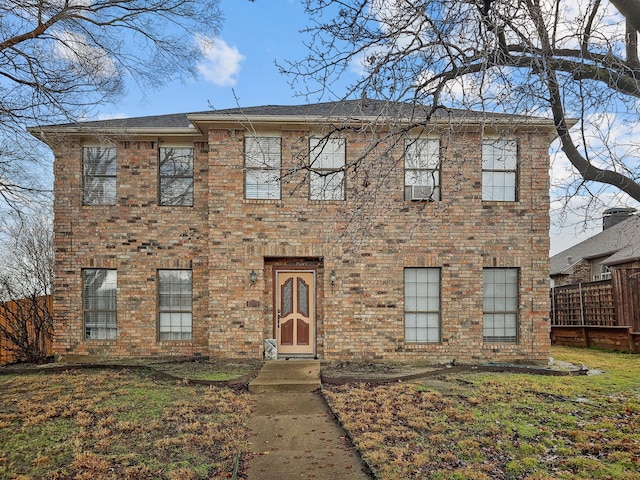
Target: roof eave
[41,132]
[618,261]
[604,253]
[314,119]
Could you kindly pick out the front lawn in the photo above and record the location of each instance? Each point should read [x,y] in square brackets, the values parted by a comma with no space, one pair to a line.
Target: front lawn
[110,424]
[114,424]
[501,426]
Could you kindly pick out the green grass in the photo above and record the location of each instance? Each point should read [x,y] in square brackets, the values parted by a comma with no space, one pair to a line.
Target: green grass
[117,424]
[211,370]
[491,425]
[109,424]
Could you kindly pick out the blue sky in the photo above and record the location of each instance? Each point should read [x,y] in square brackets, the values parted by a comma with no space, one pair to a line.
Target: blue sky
[240,71]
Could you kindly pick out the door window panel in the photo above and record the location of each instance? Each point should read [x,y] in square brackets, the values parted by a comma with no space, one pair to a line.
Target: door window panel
[303,298]
[287,298]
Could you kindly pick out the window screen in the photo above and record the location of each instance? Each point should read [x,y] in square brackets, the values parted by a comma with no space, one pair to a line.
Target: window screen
[175,291]
[422,304]
[422,169]
[327,168]
[499,170]
[262,162]
[176,176]
[99,175]
[500,305]
[100,298]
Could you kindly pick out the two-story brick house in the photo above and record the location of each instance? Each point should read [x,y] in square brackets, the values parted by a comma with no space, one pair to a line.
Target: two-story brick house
[345,230]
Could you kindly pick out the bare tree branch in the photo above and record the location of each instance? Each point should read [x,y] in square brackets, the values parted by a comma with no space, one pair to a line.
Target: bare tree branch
[26,320]
[562,59]
[60,59]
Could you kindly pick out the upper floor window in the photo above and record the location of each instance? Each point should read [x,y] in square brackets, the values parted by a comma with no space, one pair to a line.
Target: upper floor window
[175,293]
[422,304]
[176,176]
[327,168]
[499,170]
[500,305]
[422,169]
[100,298]
[262,162]
[99,175]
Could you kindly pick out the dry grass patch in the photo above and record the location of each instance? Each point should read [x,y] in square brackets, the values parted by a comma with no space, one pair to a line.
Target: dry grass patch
[118,424]
[209,369]
[501,426]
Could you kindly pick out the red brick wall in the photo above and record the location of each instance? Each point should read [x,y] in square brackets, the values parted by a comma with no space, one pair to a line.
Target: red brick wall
[579,274]
[223,237]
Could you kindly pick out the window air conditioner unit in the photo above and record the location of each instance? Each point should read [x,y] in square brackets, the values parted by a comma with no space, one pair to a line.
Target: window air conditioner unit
[421,192]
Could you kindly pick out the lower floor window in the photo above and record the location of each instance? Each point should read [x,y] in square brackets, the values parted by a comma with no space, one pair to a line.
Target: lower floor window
[422,304]
[175,292]
[100,294]
[500,305]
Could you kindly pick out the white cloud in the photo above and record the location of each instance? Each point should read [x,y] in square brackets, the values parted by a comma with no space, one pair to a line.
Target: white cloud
[221,62]
[88,58]
[111,116]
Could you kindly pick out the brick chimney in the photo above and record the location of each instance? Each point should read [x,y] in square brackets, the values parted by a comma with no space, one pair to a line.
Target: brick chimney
[613,216]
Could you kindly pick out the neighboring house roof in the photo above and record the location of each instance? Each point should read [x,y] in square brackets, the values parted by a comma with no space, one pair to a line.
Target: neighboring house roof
[352,110]
[619,244]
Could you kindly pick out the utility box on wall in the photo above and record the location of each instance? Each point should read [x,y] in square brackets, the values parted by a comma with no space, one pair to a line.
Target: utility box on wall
[270,349]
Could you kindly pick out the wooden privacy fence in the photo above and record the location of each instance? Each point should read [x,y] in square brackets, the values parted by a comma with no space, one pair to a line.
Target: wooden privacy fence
[583,304]
[626,296]
[604,314]
[8,312]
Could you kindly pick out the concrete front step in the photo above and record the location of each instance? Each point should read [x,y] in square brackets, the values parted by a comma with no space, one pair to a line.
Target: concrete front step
[287,376]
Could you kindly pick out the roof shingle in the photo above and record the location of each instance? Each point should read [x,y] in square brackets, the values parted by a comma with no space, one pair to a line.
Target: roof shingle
[346,109]
[619,243]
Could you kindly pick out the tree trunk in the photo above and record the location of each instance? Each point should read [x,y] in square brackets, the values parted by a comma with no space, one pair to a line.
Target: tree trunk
[630,9]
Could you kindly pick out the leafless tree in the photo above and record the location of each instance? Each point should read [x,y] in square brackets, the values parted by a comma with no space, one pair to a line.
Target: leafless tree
[26,274]
[555,58]
[60,59]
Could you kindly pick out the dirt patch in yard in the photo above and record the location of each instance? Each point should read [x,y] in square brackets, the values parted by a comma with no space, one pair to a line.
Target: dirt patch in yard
[372,371]
[340,373]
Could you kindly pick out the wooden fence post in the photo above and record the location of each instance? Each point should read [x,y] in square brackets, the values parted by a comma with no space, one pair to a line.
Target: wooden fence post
[581,303]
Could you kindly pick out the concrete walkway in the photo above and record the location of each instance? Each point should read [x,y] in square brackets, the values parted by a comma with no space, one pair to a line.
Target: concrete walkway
[293,434]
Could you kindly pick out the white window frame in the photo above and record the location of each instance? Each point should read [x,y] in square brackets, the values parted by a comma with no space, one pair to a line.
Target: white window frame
[179,171]
[175,305]
[422,305]
[100,304]
[500,170]
[99,178]
[501,297]
[263,164]
[328,160]
[422,168]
